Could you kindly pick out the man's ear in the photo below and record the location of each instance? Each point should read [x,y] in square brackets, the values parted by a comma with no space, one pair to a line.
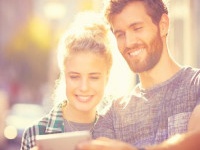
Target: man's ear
[164,25]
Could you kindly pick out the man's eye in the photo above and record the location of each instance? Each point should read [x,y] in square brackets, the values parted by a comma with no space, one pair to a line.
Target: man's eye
[120,35]
[138,28]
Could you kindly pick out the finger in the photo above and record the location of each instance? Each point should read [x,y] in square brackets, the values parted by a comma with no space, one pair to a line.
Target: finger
[103,139]
[93,145]
[34,148]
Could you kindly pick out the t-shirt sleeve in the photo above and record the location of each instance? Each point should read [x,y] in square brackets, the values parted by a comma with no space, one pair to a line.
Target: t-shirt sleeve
[198,89]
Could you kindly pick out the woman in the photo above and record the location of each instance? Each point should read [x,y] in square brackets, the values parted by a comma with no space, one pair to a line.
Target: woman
[84,60]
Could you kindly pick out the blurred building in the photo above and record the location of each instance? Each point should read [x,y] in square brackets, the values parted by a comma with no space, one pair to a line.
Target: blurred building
[183,36]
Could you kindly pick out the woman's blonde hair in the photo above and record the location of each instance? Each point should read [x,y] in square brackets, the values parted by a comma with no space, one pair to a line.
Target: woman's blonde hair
[88,33]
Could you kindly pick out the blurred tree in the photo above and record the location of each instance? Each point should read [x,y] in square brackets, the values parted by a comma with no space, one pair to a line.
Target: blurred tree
[28,52]
[86,6]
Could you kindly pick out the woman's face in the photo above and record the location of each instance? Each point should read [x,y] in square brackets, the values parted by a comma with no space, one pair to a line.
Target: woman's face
[86,78]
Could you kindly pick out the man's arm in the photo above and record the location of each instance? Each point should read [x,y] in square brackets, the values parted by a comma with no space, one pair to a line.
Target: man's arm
[187,141]
[194,122]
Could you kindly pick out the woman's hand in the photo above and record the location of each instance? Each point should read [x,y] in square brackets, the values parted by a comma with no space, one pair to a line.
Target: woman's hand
[34,148]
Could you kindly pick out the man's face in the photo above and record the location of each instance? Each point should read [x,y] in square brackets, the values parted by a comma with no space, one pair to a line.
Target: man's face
[138,38]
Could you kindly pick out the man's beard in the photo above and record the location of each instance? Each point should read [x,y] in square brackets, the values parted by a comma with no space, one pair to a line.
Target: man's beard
[154,52]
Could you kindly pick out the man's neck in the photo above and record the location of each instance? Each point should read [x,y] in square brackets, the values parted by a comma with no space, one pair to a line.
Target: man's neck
[163,71]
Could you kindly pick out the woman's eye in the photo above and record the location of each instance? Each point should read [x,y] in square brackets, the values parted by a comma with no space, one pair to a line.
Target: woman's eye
[95,78]
[74,77]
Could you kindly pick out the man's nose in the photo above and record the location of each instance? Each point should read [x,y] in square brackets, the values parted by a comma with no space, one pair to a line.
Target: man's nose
[131,40]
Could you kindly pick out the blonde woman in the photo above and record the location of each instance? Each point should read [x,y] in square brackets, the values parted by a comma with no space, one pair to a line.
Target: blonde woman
[84,60]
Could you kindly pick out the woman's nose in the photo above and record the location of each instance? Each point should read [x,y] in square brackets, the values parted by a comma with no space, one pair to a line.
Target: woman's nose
[84,85]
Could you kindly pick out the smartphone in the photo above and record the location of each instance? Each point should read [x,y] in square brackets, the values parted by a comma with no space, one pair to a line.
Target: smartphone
[62,141]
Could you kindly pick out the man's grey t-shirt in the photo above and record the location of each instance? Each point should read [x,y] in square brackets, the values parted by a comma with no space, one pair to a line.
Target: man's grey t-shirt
[147,117]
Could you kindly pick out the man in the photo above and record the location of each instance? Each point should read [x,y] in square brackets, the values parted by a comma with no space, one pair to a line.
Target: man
[166,101]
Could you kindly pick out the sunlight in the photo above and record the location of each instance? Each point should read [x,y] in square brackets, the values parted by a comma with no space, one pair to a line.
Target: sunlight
[54,10]
[122,79]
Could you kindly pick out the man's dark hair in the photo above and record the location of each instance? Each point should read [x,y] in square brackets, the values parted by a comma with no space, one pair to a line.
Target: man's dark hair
[154,8]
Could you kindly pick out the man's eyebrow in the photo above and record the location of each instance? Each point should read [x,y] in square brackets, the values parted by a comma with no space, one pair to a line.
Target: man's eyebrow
[131,25]
[134,24]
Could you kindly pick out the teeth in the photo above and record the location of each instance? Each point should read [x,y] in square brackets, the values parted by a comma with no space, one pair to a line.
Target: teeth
[136,52]
[84,98]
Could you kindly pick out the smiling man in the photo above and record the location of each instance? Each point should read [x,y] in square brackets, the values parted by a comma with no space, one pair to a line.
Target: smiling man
[166,100]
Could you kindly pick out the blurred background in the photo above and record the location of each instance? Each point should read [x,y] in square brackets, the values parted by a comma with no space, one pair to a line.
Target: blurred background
[29,35]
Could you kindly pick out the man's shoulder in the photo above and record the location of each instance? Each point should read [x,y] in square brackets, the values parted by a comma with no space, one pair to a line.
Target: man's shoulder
[188,70]
[191,75]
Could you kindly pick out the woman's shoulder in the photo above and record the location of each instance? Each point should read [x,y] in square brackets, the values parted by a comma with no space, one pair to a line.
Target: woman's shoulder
[37,127]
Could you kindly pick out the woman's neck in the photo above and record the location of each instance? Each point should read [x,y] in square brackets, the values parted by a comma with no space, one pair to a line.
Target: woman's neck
[74,115]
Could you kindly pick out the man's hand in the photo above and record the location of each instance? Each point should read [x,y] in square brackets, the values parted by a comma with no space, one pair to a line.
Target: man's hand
[104,144]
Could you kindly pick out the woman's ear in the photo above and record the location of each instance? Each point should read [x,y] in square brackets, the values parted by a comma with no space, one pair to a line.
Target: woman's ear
[164,25]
